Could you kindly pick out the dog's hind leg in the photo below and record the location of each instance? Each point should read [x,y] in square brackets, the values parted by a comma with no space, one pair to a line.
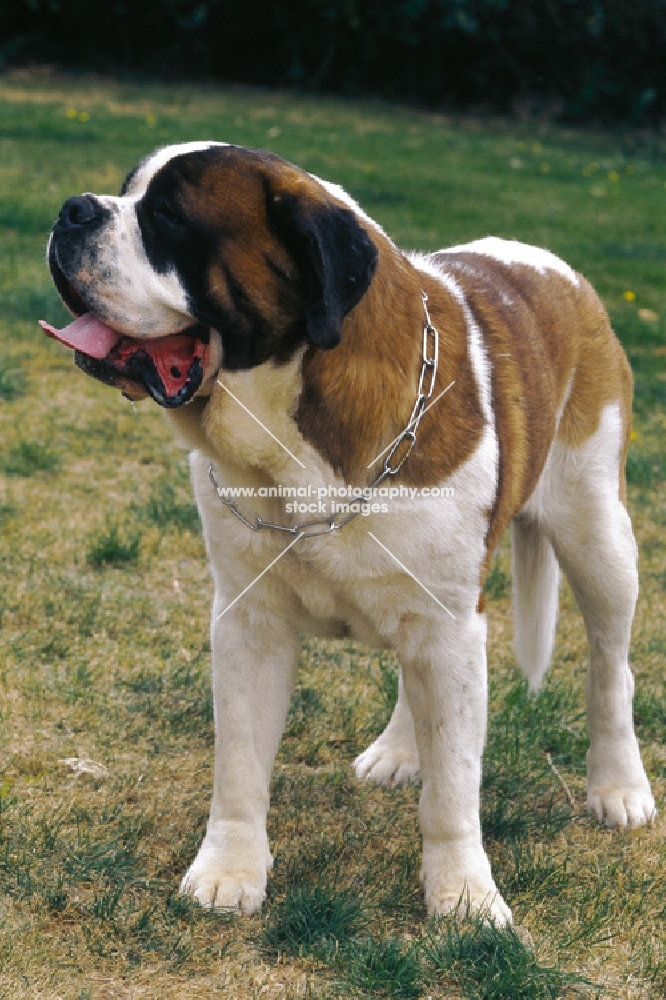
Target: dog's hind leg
[592,537]
[536,579]
[393,759]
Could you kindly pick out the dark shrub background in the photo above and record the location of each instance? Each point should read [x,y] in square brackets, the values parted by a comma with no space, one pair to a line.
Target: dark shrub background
[582,59]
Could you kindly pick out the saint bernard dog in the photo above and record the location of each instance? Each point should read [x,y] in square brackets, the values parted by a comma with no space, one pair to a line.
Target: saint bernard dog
[291,343]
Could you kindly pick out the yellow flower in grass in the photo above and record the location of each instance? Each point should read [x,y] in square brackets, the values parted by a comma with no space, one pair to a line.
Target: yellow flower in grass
[630,296]
[77,116]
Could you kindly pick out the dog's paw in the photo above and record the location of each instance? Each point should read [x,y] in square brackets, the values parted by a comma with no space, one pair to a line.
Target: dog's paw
[217,881]
[488,906]
[618,790]
[457,880]
[237,892]
[621,807]
[385,763]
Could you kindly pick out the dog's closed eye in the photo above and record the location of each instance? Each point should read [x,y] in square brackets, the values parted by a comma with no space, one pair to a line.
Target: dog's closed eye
[167,216]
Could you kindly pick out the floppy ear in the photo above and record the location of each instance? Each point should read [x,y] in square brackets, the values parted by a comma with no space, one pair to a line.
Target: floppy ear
[335,257]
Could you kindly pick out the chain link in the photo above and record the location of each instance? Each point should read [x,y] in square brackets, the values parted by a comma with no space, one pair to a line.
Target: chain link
[393,462]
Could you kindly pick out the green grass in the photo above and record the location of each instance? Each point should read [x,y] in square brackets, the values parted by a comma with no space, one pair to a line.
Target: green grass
[118,542]
[106,720]
[25,458]
[490,964]
[12,380]
[498,581]
[384,967]
[313,920]
[163,509]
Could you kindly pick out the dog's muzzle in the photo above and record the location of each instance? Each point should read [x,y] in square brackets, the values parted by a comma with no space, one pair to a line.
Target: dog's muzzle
[171,369]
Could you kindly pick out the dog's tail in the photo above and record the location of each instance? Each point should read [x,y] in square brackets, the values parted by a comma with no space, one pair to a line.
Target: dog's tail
[536,580]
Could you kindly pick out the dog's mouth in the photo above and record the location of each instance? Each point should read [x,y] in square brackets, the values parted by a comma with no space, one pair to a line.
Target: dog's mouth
[171,368]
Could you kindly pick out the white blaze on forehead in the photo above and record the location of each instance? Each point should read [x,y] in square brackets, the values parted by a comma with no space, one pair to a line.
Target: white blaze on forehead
[514,252]
[150,166]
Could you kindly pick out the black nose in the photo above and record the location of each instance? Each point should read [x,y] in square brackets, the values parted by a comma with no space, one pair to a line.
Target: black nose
[82,210]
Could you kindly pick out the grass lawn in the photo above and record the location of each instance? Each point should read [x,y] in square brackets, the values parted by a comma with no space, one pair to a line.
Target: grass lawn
[105,712]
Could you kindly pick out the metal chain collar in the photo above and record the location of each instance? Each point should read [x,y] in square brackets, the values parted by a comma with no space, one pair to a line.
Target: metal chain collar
[393,462]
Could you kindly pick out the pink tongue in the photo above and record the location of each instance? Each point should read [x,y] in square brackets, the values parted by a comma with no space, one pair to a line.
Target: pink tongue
[86,334]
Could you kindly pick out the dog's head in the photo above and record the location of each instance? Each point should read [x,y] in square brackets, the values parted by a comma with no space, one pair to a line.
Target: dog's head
[212,256]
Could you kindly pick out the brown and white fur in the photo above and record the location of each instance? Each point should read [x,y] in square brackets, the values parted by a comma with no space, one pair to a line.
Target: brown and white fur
[533,435]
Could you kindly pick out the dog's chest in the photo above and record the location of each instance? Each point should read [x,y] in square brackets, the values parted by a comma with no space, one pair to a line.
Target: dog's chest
[335,586]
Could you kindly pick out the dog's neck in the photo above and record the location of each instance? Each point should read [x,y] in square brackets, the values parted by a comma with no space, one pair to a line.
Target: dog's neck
[357,398]
[339,409]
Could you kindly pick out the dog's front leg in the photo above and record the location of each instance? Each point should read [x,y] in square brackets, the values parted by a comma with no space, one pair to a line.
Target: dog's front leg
[444,668]
[254,663]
